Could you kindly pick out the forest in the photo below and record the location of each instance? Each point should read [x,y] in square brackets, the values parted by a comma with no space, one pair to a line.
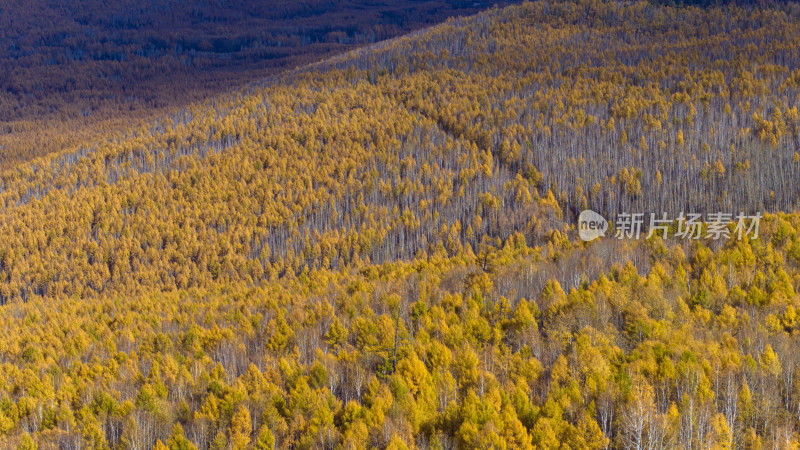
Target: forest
[72,73]
[379,249]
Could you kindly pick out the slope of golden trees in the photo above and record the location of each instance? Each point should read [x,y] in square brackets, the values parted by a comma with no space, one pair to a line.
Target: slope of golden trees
[437,352]
[378,250]
[480,128]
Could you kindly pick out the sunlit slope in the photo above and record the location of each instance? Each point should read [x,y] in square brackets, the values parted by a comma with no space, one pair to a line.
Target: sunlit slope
[506,122]
[378,250]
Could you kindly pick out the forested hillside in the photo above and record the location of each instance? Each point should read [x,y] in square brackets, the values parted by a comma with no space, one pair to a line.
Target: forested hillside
[71,73]
[380,250]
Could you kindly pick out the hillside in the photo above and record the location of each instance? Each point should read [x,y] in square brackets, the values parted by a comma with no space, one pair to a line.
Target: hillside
[379,249]
[70,73]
